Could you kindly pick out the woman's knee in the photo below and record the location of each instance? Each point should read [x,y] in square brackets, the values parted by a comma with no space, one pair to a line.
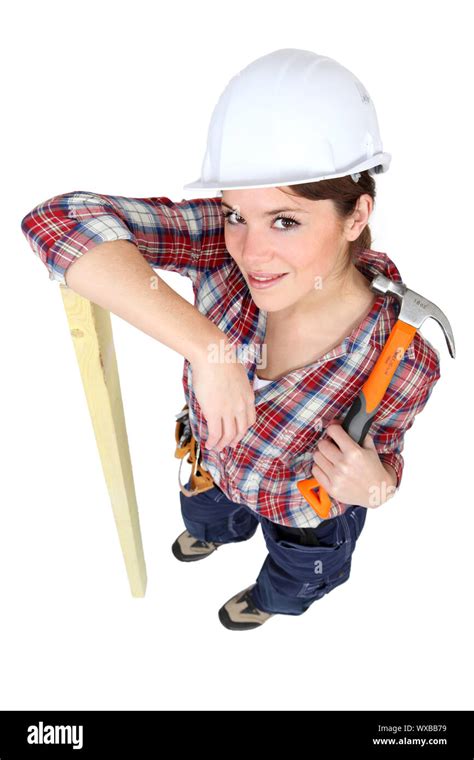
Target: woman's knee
[211,516]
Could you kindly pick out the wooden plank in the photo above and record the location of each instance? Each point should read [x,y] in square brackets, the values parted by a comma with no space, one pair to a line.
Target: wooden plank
[91,331]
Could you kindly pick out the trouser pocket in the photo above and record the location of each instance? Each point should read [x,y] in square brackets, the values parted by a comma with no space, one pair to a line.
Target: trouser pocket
[303,570]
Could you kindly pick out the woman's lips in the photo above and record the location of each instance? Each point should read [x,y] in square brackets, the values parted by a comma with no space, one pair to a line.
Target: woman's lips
[266,282]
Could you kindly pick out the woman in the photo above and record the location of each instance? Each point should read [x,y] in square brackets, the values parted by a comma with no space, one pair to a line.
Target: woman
[284,330]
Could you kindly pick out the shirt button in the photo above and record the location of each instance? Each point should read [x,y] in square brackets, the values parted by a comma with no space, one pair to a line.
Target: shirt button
[222,455]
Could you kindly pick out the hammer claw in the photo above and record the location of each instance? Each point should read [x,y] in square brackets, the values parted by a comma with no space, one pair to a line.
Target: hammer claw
[415,309]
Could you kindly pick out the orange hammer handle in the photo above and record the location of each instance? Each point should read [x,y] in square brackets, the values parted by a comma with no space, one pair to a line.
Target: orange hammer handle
[364,408]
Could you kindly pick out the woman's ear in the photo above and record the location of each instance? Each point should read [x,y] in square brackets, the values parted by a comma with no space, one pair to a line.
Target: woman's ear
[360,217]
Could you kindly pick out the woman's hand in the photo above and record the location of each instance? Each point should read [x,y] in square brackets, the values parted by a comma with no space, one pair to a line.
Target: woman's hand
[351,473]
[226,398]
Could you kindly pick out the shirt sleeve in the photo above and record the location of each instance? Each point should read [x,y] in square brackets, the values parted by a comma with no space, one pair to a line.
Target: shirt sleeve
[388,429]
[185,237]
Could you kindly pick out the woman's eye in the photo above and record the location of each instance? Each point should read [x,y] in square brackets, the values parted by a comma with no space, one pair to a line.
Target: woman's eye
[293,222]
[227,216]
[287,219]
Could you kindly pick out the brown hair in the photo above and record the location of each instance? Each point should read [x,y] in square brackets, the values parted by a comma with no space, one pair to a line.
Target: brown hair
[344,193]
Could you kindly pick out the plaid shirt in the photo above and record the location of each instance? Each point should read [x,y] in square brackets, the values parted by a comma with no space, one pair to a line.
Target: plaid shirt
[293,411]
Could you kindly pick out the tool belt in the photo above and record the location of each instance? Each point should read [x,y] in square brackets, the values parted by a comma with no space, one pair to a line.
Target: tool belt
[200,479]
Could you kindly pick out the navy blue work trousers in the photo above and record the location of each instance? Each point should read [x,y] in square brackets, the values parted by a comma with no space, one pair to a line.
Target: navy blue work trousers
[302,564]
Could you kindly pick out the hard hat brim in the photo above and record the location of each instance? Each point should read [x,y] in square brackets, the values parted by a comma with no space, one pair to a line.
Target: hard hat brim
[379,163]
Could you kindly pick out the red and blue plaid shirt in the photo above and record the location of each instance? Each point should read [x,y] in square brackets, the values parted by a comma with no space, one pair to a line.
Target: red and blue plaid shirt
[293,411]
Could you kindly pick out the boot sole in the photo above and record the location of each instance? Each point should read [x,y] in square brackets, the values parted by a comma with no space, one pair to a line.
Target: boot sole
[232,626]
[187,557]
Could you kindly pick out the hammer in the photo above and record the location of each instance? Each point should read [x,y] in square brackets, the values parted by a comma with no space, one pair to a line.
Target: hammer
[414,310]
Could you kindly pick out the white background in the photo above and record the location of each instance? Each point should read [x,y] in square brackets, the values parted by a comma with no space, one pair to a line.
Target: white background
[115,98]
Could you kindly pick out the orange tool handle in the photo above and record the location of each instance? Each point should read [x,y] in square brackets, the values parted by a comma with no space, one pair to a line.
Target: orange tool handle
[364,408]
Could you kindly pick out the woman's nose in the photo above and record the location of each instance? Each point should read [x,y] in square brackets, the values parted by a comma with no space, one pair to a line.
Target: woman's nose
[256,254]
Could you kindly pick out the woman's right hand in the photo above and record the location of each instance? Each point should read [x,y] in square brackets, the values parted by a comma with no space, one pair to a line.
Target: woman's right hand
[226,398]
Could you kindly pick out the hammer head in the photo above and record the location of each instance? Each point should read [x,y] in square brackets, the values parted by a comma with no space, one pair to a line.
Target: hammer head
[414,309]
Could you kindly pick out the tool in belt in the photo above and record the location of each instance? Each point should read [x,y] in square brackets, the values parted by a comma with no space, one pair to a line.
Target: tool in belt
[200,479]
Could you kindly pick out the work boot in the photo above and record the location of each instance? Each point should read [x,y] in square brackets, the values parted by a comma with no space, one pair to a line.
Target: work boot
[186,548]
[240,613]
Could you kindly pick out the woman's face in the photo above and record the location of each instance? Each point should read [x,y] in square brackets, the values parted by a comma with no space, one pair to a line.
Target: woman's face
[270,232]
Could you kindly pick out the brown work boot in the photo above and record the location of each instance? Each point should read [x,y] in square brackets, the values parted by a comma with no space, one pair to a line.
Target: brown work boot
[239,613]
[186,548]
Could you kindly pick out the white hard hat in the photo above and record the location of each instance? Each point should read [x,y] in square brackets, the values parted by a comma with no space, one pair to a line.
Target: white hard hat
[290,117]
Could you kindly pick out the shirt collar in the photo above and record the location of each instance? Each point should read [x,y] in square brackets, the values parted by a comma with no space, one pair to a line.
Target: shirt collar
[378,323]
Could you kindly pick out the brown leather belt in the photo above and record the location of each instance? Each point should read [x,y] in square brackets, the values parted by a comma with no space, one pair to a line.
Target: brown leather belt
[200,479]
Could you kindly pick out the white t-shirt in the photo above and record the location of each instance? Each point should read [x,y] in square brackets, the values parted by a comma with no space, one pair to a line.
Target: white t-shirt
[259,383]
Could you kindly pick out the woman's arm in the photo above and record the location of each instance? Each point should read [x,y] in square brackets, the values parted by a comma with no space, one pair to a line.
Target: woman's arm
[106,248]
[116,276]
[185,237]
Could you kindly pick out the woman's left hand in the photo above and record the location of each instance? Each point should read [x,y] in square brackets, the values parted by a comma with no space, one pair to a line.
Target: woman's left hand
[351,473]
